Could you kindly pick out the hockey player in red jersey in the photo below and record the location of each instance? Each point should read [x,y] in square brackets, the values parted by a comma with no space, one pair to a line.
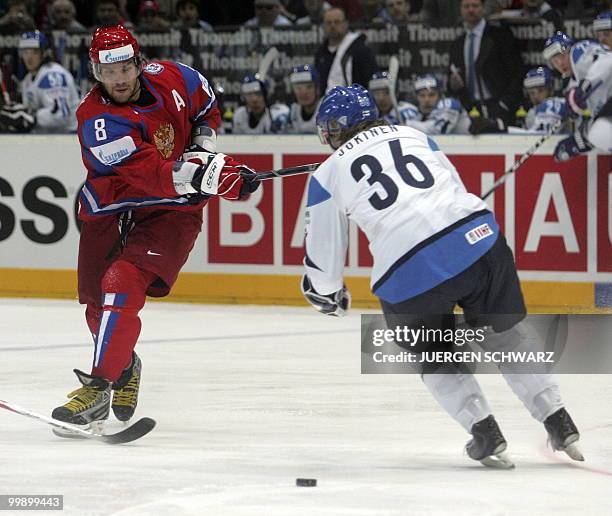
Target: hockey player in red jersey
[148,137]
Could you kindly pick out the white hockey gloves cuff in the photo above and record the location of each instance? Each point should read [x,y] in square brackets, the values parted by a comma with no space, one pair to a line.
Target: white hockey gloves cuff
[336,304]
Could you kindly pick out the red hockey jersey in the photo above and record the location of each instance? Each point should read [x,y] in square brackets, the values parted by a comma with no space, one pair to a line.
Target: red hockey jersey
[130,150]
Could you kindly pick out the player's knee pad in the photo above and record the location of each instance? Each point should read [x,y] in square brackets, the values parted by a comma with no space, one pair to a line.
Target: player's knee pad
[124,286]
[599,134]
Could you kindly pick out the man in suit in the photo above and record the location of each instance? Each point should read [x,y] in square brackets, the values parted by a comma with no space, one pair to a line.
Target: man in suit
[486,69]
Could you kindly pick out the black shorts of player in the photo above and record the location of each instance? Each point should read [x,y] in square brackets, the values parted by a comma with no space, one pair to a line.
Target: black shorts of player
[488,291]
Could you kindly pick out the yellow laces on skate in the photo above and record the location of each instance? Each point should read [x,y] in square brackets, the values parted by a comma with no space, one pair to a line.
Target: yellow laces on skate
[127,396]
[82,398]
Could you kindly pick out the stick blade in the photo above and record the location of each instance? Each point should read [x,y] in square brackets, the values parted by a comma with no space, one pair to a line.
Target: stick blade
[139,429]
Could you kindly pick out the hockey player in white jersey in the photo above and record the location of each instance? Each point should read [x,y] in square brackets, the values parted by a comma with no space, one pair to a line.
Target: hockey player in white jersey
[304,82]
[602,27]
[380,88]
[437,114]
[546,109]
[434,246]
[257,116]
[48,90]
[590,64]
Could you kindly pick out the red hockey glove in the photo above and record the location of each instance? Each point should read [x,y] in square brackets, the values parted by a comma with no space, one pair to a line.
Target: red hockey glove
[222,175]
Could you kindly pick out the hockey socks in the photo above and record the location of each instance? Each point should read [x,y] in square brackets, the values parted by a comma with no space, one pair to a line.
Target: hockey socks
[123,287]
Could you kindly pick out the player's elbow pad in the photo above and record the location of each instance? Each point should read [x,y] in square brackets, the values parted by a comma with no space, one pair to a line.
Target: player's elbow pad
[336,304]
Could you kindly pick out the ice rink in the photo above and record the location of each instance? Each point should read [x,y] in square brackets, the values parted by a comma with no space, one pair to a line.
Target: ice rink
[249,398]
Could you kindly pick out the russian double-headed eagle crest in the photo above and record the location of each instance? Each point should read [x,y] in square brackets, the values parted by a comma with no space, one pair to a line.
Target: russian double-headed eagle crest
[164,139]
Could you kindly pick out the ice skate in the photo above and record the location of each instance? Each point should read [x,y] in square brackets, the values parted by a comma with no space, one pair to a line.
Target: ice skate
[125,395]
[89,405]
[488,445]
[563,434]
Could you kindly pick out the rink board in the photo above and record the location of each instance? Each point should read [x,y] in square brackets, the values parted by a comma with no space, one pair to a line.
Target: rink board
[557,218]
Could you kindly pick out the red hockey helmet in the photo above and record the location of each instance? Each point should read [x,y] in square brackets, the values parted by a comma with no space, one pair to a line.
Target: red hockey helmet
[112,45]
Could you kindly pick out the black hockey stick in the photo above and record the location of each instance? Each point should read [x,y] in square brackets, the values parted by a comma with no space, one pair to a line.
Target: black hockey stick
[528,153]
[136,431]
[289,171]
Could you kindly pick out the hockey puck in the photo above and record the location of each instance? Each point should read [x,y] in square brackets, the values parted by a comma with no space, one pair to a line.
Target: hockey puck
[306,482]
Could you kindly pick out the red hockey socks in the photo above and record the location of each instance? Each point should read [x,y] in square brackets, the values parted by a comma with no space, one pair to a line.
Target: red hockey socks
[123,296]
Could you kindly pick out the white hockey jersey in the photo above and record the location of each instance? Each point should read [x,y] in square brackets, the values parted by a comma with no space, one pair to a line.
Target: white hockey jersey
[273,121]
[297,123]
[52,96]
[405,111]
[423,227]
[447,117]
[593,61]
[542,117]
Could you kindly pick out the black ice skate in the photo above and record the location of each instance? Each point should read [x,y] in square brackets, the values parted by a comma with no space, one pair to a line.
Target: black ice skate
[563,434]
[488,444]
[89,405]
[125,395]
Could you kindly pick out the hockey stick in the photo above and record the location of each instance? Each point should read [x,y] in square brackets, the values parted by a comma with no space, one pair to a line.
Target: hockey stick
[393,73]
[266,62]
[289,171]
[136,431]
[528,153]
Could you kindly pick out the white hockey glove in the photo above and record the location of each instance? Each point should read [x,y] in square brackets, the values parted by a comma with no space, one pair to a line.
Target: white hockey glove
[219,175]
[336,304]
[194,153]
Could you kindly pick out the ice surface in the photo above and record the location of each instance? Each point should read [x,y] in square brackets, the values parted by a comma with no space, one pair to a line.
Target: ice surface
[247,399]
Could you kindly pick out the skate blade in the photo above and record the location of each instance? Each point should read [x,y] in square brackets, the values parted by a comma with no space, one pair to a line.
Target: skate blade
[96,427]
[498,461]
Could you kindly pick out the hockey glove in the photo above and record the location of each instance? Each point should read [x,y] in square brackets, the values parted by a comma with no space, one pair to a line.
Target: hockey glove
[571,146]
[223,176]
[576,98]
[336,304]
[481,125]
[196,154]
[15,118]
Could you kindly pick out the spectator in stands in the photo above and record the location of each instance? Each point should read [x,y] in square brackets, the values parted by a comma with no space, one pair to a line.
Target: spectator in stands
[398,12]
[62,16]
[17,18]
[108,14]
[448,12]
[441,12]
[602,27]
[304,82]
[533,11]
[343,58]
[257,116]
[150,19]
[586,8]
[541,10]
[267,14]
[394,112]
[486,67]
[188,14]
[373,12]
[315,9]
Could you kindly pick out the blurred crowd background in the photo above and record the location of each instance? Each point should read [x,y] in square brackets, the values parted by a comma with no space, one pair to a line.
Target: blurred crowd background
[483,78]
